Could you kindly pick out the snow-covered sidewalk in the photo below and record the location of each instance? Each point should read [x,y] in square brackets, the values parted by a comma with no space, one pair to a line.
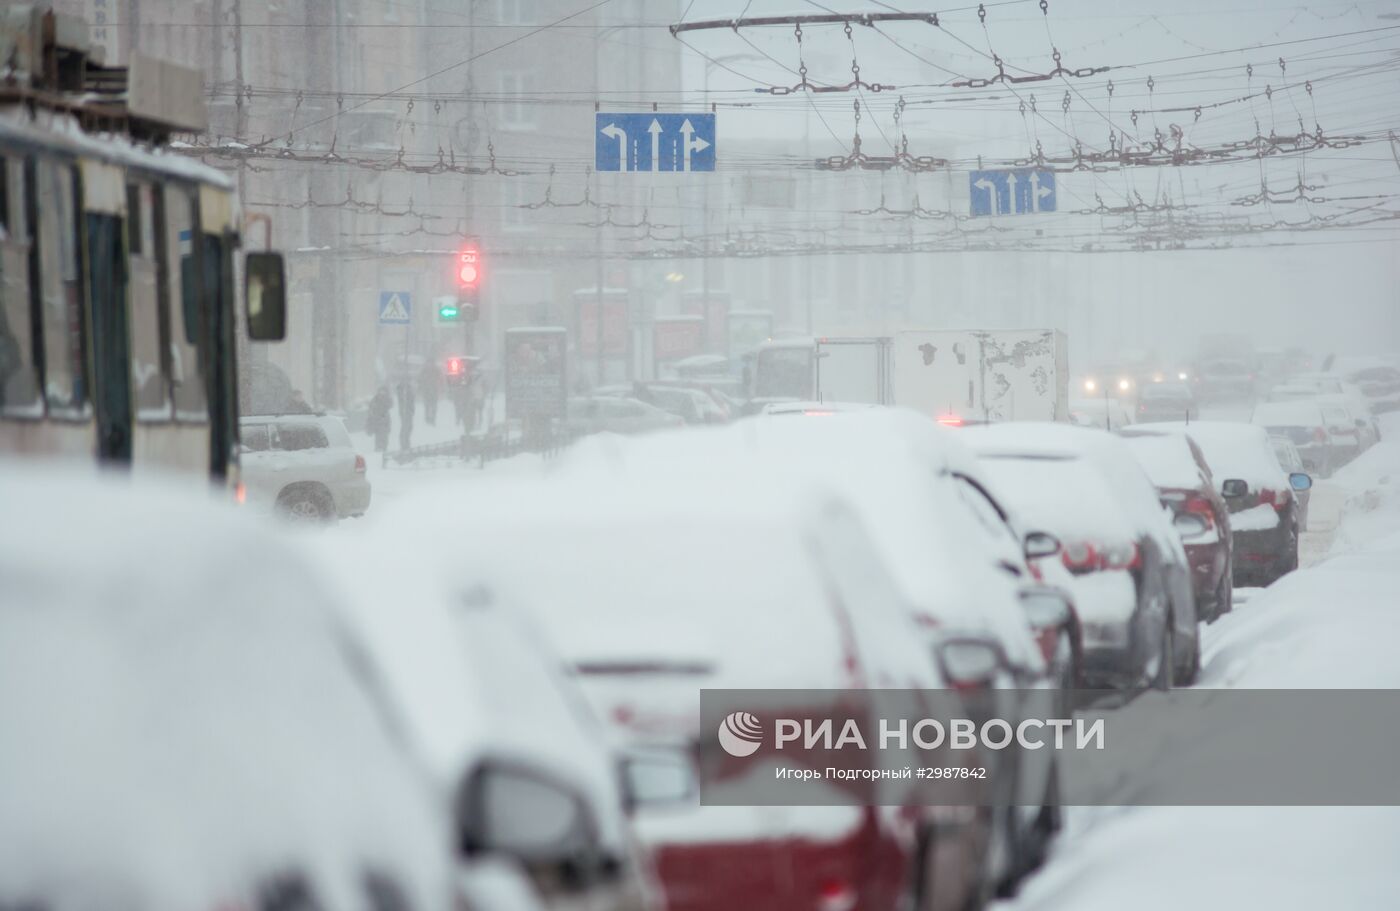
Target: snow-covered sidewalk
[1334,625]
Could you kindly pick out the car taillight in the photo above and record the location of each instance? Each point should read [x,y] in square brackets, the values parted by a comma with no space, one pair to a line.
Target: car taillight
[1122,556]
[240,494]
[1080,557]
[1267,496]
[950,420]
[835,895]
[359,464]
[1319,435]
[1200,506]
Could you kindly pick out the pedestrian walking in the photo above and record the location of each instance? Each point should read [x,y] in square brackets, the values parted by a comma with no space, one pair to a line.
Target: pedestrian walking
[377,423]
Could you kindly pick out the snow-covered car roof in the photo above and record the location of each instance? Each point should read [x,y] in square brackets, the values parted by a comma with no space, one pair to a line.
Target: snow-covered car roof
[472,679]
[1299,413]
[185,717]
[1166,457]
[1061,493]
[1235,450]
[815,408]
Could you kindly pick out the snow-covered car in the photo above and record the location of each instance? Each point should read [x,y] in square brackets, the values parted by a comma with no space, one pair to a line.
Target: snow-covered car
[187,721]
[953,553]
[1182,476]
[780,568]
[1378,381]
[1219,379]
[1132,586]
[616,414]
[1367,428]
[1264,512]
[1326,435]
[527,770]
[302,466]
[1105,414]
[1166,402]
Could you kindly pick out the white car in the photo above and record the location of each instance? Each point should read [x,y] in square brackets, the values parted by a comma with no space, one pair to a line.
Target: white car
[303,466]
[187,723]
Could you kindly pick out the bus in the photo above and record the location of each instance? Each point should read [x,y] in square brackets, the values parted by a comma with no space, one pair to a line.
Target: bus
[118,321]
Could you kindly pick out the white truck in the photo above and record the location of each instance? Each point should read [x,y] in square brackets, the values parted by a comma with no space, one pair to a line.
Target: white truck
[954,375]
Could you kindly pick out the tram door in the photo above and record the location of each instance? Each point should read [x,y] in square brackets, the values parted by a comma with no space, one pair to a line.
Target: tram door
[111,335]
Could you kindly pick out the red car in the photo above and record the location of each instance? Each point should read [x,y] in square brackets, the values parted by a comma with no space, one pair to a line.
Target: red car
[1178,469]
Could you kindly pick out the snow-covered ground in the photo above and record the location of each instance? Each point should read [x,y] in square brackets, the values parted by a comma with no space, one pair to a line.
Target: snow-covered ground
[1332,624]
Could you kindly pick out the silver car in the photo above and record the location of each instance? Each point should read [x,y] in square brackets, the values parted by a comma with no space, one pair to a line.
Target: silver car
[303,466]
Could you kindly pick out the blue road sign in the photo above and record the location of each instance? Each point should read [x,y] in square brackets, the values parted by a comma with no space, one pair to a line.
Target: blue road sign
[654,142]
[395,308]
[1020,192]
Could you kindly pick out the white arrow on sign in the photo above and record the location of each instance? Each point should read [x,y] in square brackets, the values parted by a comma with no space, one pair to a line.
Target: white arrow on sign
[991,188]
[655,131]
[613,131]
[690,143]
[1011,190]
[1037,191]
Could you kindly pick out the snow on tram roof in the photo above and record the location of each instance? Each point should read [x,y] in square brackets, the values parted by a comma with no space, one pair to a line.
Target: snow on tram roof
[62,132]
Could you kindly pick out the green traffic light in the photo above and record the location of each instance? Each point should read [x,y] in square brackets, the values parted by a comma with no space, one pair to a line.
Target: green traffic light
[448,312]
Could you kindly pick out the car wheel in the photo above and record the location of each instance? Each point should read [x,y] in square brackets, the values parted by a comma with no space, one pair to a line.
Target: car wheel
[306,505]
[1188,674]
[1166,660]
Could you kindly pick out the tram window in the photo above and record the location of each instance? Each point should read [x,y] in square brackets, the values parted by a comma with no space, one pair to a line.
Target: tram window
[147,376]
[60,283]
[255,438]
[19,377]
[186,372]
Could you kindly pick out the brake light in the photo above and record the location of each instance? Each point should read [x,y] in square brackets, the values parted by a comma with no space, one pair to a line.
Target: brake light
[835,895]
[818,414]
[950,420]
[1200,506]
[1267,496]
[240,494]
[1080,557]
[359,464]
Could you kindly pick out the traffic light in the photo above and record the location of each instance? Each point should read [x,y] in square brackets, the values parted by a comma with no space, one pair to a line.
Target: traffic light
[468,269]
[456,371]
[449,310]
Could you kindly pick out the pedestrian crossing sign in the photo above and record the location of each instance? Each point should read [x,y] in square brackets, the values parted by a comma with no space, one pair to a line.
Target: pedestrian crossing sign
[395,308]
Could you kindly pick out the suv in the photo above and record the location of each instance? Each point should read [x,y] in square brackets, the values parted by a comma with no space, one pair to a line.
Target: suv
[303,466]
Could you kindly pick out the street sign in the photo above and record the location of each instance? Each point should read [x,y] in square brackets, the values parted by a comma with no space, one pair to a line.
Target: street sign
[395,308]
[1020,192]
[654,142]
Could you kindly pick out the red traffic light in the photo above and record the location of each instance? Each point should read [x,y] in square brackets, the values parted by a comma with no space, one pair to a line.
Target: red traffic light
[454,366]
[468,267]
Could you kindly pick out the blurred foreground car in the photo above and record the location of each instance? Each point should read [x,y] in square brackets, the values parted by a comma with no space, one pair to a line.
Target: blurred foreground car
[801,603]
[195,729]
[1178,468]
[959,565]
[1105,414]
[303,466]
[1264,518]
[1166,402]
[1132,585]
[527,769]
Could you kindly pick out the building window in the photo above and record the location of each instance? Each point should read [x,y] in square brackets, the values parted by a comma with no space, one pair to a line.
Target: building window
[516,112]
[19,374]
[61,291]
[186,376]
[148,323]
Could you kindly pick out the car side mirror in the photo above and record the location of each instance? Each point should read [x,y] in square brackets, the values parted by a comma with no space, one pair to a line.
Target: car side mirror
[1300,481]
[657,778]
[969,662]
[1233,487]
[510,810]
[1045,607]
[1039,544]
[265,296]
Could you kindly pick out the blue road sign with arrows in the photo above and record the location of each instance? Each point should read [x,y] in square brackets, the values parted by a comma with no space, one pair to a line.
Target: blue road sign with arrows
[1019,192]
[654,142]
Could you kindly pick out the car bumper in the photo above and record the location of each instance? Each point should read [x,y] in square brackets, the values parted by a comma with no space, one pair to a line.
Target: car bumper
[1259,553]
[1209,563]
[352,498]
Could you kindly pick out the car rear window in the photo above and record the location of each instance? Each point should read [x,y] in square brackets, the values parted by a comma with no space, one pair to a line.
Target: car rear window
[295,437]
